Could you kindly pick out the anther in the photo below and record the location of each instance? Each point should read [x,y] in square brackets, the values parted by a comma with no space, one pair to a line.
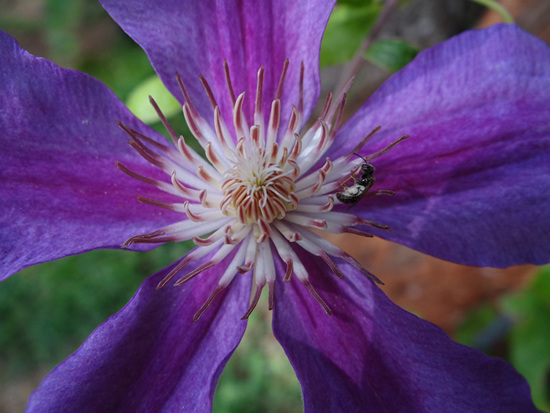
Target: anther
[279,92]
[254,302]
[135,175]
[271,297]
[363,142]
[238,116]
[289,270]
[258,113]
[331,265]
[317,297]
[301,96]
[228,82]
[154,202]
[194,273]
[209,301]
[386,149]
[162,118]
[186,97]
[209,93]
[174,271]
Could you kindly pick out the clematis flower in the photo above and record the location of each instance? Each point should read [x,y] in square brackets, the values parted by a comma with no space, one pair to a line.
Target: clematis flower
[471,185]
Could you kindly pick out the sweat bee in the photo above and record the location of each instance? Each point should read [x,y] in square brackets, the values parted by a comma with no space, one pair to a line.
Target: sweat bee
[353,194]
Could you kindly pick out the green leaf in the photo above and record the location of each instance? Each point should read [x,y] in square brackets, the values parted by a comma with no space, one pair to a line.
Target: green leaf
[530,337]
[476,326]
[391,54]
[138,100]
[347,27]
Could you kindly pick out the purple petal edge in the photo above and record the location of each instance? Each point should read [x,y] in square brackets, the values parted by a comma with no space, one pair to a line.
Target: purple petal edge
[472,180]
[60,191]
[196,37]
[150,356]
[371,355]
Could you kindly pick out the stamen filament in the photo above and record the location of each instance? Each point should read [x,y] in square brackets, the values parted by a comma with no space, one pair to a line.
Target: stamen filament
[258,192]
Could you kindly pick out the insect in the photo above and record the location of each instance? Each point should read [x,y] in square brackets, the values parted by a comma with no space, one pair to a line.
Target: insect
[353,194]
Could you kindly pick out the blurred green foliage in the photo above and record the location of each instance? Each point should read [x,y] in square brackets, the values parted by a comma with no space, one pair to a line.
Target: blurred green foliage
[138,100]
[391,54]
[49,309]
[348,25]
[476,327]
[517,328]
[529,339]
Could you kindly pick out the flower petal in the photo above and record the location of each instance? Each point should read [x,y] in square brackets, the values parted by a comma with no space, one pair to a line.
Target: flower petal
[371,355]
[60,191]
[195,37]
[472,180]
[150,356]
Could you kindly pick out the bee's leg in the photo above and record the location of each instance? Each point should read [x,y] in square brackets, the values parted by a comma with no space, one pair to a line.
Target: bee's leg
[348,179]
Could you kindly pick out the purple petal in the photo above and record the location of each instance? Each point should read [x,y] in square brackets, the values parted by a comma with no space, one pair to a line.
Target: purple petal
[371,355]
[60,192]
[150,356]
[195,37]
[472,180]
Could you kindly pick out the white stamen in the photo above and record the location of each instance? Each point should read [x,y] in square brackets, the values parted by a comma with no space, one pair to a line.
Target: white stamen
[256,192]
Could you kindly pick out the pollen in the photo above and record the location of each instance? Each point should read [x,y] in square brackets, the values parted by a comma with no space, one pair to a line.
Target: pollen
[262,194]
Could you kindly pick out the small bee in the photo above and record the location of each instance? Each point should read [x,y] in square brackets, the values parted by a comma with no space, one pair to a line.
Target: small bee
[353,194]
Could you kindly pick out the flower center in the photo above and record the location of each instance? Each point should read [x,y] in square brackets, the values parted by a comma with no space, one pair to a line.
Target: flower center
[257,188]
[258,196]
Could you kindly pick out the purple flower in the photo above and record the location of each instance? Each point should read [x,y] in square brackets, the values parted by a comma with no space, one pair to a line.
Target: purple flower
[472,185]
